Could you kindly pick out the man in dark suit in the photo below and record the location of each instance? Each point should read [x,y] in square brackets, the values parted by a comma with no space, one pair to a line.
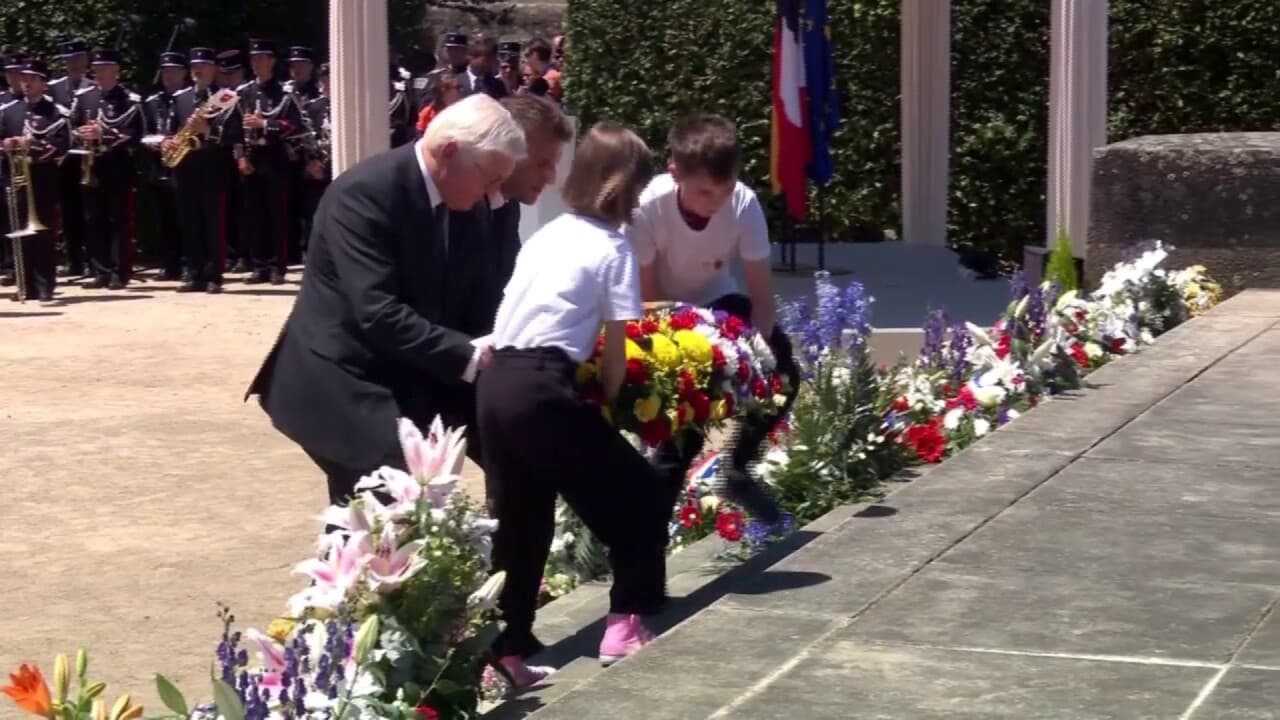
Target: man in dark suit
[372,335]
[482,68]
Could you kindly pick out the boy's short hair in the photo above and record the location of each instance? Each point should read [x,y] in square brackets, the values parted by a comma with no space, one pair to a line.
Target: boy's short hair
[705,145]
[536,114]
[611,167]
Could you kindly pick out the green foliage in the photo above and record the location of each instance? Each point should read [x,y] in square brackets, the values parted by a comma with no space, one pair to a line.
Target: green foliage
[1061,269]
[1175,66]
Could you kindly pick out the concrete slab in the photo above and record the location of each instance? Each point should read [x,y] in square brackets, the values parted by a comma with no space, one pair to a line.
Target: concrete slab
[1243,694]
[1188,441]
[691,672]
[1101,544]
[1092,485]
[1263,649]
[1052,612]
[848,678]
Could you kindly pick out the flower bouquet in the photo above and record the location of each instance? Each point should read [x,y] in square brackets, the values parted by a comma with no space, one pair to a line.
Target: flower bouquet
[687,368]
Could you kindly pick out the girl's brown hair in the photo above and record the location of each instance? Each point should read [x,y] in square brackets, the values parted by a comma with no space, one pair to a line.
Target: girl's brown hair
[611,167]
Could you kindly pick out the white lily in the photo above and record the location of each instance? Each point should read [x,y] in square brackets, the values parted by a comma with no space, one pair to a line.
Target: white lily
[486,596]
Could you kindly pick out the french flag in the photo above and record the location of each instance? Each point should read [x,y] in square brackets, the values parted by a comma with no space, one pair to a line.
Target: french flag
[791,146]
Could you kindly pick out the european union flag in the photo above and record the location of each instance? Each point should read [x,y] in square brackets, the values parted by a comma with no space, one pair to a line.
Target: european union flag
[820,81]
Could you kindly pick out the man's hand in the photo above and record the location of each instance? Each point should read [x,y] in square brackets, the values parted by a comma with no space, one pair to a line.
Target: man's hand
[166,145]
[245,167]
[315,170]
[90,131]
[484,360]
[198,123]
[254,121]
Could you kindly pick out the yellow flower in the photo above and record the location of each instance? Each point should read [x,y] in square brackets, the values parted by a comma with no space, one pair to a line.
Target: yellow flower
[719,410]
[633,350]
[586,372]
[696,347]
[647,409]
[279,629]
[666,353]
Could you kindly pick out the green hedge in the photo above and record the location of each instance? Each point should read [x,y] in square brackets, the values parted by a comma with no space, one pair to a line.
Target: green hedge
[1176,66]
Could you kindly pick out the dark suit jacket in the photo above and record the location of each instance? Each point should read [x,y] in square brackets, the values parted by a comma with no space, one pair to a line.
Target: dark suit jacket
[381,326]
[501,227]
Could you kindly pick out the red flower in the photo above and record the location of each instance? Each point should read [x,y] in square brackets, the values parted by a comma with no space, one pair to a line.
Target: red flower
[744,370]
[717,358]
[900,404]
[701,406]
[687,386]
[426,712]
[927,440]
[633,331]
[1078,354]
[1081,316]
[656,431]
[690,517]
[649,326]
[775,384]
[733,327]
[729,525]
[759,389]
[684,320]
[947,390]
[964,399]
[1117,346]
[637,373]
[1002,346]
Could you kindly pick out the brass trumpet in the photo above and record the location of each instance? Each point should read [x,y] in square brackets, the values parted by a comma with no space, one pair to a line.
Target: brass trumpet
[87,176]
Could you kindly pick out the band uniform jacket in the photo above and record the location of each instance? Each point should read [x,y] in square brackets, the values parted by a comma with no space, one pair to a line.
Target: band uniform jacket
[206,164]
[316,114]
[46,122]
[120,112]
[159,119]
[266,147]
[402,119]
[374,332]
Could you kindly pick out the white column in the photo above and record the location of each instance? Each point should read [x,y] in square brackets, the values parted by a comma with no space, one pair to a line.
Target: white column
[358,80]
[1077,114]
[926,119]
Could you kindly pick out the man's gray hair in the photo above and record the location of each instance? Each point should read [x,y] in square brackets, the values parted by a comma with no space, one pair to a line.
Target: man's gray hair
[478,123]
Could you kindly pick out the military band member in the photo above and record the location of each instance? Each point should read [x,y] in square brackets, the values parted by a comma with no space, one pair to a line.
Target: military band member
[74,55]
[37,126]
[270,116]
[12,62]
[455,62]
[509,65]
[318,170]
[200,180]
[400,108]
[160,121]
[109,122]
[231,75]
[302,85]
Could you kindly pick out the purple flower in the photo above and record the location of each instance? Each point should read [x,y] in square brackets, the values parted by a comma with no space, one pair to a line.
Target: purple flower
[935,338]
[1018,286]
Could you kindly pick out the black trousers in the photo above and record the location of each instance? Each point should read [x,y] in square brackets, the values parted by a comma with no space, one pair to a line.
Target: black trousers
[168,233]
[237,242]
[265,219]
[39,257]
[674,457]
[109,218]
[201,198]
[75,239]
[6,247]
[342,479]
[541,439]
[309,200]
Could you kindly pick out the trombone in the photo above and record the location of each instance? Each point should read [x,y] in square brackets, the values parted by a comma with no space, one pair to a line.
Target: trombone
[20,176]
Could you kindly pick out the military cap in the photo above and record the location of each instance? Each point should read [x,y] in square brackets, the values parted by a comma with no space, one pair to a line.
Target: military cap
[106,56]
[261,46]
[301,53]
[73,47]
[455,40]
[37,67]
[203,55]
[173,60]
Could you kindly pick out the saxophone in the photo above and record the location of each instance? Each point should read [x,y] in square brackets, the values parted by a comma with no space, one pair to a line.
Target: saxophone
[187,139]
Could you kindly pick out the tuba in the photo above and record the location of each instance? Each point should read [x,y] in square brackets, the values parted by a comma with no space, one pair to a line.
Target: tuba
[187,139]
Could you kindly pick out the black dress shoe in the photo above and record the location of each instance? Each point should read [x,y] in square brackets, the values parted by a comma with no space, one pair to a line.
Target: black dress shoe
[116,283]
[240,266]
[213,288]
[744,490]
[100,281]
[7,281]
[46,296]
[277,276]
[169,275]
[191,286]
[258,277]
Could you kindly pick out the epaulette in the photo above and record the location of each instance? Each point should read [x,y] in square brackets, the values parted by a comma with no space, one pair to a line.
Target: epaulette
[186,89]
[63,110]
[398,86]
[243,85]
[154,96]
[133,96]
[57,80]
[84,90]
[6,105]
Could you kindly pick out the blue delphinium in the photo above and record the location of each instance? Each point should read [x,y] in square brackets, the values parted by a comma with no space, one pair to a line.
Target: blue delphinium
[935,328]
[957,356]
[839,321]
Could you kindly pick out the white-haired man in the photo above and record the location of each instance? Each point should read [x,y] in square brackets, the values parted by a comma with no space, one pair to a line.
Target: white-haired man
[374,333]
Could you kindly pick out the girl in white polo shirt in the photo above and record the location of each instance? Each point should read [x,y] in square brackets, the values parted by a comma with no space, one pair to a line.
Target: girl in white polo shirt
[572,277]
[692,224]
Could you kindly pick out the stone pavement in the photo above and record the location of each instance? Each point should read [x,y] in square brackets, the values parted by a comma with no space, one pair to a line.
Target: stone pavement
[1115,554]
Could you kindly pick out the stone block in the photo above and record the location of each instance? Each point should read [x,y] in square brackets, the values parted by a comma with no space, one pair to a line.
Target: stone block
[1243,694]
[1263,649]
[846,678]
[1215,197]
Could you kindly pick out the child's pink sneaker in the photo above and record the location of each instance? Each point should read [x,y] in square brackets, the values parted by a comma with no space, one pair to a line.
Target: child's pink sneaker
[520,674]
[623,636]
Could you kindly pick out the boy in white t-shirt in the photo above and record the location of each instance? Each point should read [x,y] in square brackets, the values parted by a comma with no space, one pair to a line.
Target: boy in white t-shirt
[692,224]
